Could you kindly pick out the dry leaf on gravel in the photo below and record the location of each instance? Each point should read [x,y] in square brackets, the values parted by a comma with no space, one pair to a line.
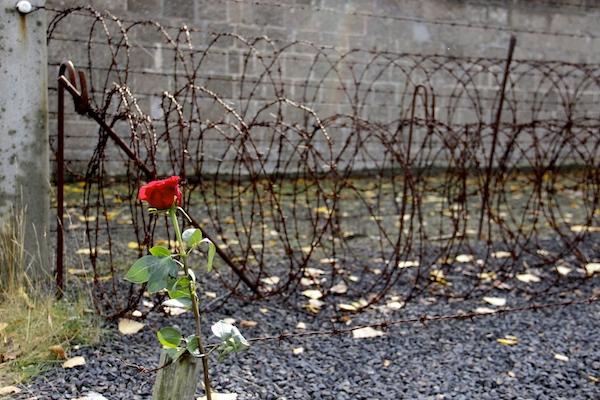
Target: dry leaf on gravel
[528,278]
[367,332]
[495,301]
[74,362]
[247,323]
[508,340]
[129,327]
[6,390]
[58,351]
[561,357]
[221,396]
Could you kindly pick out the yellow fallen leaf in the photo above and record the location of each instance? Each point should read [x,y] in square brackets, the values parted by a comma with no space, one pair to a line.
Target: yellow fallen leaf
[58,351]
[366,332]
[77,272]
[561,357]
[464,258]
[297,351]
[322,210]
[247,323]
[263,310]
[6,390]
[592,268]
[211,295]
[220,396]
[89,218]
[508,340]
[495,301]
[584,228]
[386,363]
[348,307]
[528,278]
[74,362]
[501,254]
[133,245]
[129,327]
[301,325]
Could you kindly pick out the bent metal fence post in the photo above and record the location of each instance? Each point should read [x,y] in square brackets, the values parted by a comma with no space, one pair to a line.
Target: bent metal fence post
[363,175]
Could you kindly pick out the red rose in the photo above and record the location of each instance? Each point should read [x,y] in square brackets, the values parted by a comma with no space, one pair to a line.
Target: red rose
[161,194]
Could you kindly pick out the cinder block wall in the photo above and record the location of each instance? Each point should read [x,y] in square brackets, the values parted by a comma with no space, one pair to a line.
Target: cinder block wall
[381,31]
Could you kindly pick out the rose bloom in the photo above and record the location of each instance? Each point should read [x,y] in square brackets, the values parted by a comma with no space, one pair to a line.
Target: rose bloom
[161,194]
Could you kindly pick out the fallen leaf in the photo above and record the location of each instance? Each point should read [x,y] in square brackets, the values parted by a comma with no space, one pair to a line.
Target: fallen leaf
[386,363]
[501,254]
[592,268]
[297,351]
[263,310]
[129,327]
[312,294]
[133,245]
[210,295]
[339,288]
[92,396]
[74,362]
[301,325]
[6,390]
[348,307]
[484,310]
[528,278]
[464,258]
[584,228]
[366,332]
[272,280]
[495,301]
[328,260]
[58,351]
[136,313]
[563,270]
[313,272]
[395,305]
[407,264]
[561,357]
[508,340]
[220,396]
[247,323]
[174,311]
[3,326]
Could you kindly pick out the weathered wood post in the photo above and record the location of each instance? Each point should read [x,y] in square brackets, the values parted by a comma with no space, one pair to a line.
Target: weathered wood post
[177,381]
[24,162]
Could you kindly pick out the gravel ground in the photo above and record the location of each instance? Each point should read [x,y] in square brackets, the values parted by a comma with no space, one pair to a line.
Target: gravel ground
[457,359]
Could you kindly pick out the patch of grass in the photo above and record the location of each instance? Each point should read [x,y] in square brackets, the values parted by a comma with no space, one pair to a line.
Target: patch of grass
[31,319]
[30,327]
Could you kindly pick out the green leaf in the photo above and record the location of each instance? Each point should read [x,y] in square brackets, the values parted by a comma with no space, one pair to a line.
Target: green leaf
[175,353]
[169,337]
[211,256]
[160,251]
[161,270]
[192,346]
[192,237]
[180,288]
[139,271]
[181,302]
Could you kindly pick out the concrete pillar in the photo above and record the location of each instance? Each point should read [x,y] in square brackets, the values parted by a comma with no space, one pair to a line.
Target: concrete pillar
[24,162]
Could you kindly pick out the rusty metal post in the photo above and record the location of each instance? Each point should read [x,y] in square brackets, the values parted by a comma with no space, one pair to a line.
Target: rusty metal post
[488,173]
[60,186]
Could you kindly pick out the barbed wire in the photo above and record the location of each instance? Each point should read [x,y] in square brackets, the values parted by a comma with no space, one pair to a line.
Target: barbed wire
[381,193]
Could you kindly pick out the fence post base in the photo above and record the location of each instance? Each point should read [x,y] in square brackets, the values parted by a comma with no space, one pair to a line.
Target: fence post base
[179,380]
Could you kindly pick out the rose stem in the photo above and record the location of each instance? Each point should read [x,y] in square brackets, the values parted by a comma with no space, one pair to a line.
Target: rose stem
[195,308]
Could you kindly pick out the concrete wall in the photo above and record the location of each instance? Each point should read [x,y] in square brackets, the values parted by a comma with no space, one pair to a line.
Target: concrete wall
[379,72]
[24,179]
